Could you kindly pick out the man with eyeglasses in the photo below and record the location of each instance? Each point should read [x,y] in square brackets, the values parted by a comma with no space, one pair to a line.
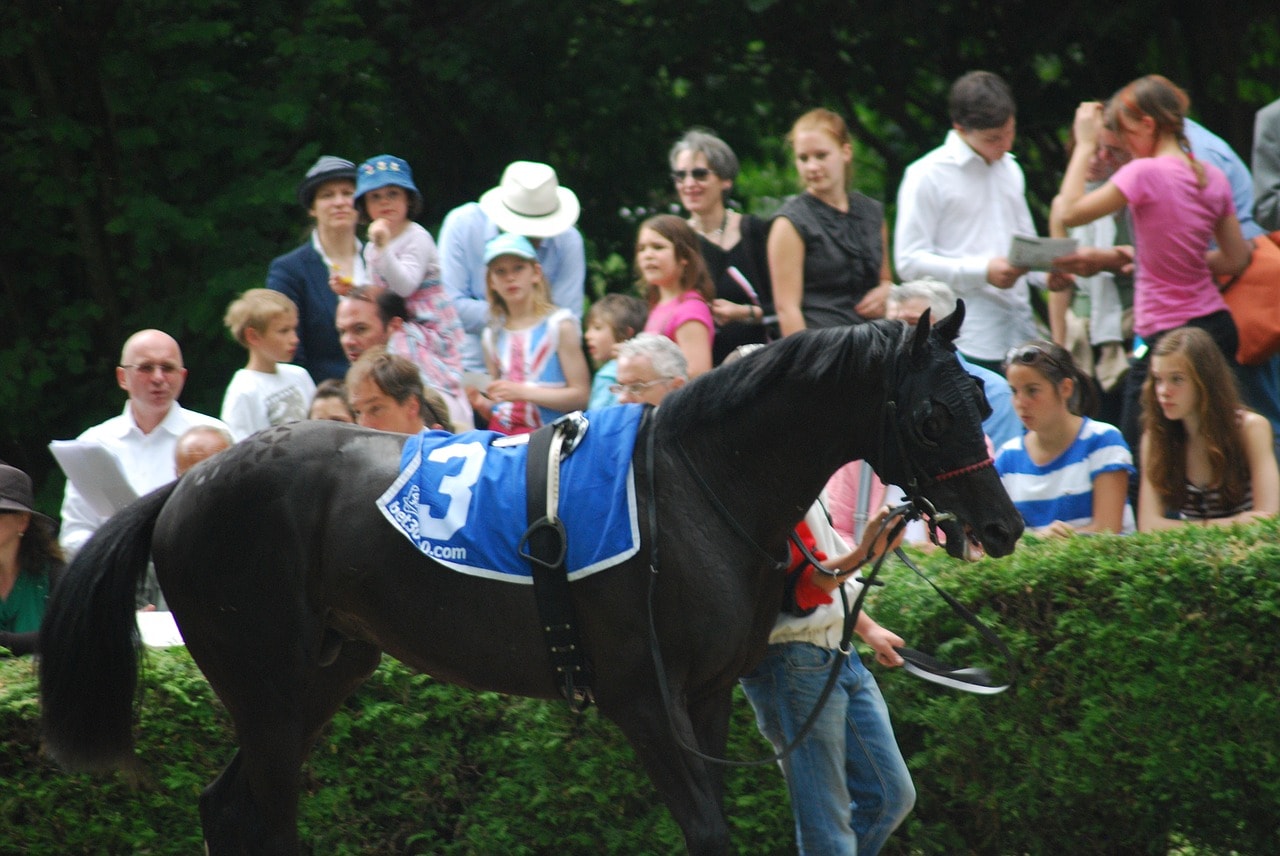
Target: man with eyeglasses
[143,439]
[649,367]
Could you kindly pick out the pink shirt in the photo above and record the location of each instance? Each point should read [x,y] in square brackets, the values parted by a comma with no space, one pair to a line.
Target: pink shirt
[1173,220]
[666,318]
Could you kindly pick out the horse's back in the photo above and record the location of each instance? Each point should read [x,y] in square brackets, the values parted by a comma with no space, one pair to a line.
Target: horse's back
[277,544]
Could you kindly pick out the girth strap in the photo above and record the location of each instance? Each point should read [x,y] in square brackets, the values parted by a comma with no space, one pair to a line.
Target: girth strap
[544,545]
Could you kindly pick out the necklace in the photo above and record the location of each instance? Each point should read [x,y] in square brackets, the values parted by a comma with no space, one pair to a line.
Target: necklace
[715,235]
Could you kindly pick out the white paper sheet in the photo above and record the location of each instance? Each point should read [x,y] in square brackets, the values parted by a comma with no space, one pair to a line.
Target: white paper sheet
[96,473]
[1033,253]
[158,630]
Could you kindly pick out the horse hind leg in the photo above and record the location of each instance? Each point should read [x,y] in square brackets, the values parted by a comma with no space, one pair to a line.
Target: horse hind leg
[252,807]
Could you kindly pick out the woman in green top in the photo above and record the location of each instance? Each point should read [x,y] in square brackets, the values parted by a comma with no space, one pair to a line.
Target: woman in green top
[30,562]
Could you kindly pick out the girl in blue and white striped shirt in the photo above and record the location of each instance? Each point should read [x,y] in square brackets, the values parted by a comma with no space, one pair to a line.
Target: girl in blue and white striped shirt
[1067,473]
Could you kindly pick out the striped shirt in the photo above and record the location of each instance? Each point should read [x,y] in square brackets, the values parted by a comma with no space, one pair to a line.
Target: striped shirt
[1063,488]
[1209,503]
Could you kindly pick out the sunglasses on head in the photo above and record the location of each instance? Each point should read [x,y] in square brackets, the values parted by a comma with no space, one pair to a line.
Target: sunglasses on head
[699,173]
[1032,354]
[1027,354]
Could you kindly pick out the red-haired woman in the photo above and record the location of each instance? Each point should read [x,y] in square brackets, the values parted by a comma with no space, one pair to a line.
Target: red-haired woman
[828,256]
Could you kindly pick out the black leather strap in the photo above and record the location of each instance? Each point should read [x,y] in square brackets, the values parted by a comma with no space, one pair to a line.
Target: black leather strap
[544,545]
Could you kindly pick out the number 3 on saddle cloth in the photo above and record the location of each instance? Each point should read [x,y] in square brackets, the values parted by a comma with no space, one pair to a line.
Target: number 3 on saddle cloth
[460,498]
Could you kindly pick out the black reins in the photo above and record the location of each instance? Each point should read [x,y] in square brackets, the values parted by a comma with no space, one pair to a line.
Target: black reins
[897,521]
[917,507]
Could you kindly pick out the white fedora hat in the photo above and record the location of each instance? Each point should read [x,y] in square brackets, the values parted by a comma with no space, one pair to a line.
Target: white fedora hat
[531,202]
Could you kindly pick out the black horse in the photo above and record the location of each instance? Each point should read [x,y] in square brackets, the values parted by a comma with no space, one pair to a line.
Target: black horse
[287,582]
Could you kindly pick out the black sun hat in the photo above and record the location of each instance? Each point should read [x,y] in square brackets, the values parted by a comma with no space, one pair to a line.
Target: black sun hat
[16,493]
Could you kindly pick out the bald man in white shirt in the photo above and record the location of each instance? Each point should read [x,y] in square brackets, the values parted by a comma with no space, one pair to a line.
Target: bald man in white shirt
[145,436]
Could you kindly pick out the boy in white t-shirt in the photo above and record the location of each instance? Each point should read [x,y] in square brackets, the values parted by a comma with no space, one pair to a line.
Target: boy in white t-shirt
[268,391]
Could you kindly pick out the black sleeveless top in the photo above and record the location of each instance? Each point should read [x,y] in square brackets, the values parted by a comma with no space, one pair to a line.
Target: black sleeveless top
[749,257]
[842,255]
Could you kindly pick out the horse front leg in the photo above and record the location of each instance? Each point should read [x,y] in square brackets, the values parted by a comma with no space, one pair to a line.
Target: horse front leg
[691,788]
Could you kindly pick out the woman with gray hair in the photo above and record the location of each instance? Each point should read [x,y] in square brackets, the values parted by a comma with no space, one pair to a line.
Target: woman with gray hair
[703,168]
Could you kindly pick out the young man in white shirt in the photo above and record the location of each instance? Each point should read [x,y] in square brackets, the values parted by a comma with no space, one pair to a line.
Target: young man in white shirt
[958,208]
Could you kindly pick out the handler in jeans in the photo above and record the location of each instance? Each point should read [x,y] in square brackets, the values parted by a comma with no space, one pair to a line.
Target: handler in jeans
[849,785]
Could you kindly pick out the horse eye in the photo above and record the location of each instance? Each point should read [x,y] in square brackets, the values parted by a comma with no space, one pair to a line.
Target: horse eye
[936,423]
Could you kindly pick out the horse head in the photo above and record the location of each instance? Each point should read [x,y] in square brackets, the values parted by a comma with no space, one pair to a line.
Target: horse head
[933,446]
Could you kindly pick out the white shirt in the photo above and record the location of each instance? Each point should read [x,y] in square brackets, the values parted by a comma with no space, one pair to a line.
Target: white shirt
[825,625]
[147,461]
[955,213]
[257,400]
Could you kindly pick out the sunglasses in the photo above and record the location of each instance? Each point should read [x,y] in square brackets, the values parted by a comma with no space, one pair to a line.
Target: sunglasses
[698,173]
[1032,354]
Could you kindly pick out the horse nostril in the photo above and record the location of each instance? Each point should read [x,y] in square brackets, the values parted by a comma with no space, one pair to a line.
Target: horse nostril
[1000,538]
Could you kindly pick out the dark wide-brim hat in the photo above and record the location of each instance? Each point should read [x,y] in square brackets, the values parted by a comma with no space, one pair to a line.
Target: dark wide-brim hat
[327,168]
[16,493]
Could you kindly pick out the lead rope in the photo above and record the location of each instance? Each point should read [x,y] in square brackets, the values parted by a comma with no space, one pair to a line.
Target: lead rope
[842,653]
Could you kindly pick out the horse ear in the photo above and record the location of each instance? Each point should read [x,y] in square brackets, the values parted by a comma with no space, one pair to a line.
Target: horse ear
[922,335]
[948,328]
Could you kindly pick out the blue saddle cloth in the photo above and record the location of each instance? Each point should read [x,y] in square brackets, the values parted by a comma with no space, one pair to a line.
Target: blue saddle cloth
[460,498]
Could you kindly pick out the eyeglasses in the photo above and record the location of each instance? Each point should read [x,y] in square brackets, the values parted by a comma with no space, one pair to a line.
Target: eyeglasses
[698,173]
[166,369]
[636,389]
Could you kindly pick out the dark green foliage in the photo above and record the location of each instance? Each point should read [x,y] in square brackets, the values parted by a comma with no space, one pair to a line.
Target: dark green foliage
[1147,707]
[152,148]
[1144,720]
[408,766]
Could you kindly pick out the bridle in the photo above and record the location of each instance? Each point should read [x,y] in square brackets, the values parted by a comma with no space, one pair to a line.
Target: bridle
[917,507]
[917,479]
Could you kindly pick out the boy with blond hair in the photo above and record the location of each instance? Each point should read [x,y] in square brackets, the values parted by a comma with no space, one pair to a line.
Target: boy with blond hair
[268,390]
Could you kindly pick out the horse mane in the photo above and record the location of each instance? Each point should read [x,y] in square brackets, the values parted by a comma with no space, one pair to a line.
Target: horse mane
[804,359]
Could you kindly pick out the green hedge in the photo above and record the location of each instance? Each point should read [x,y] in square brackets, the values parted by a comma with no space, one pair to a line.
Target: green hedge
[1145,720]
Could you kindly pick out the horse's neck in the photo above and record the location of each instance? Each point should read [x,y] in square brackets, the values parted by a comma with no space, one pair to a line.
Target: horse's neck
[784,456]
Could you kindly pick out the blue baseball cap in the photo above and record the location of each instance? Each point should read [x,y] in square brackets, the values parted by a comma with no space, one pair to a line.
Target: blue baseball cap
[507,244]
[383,171]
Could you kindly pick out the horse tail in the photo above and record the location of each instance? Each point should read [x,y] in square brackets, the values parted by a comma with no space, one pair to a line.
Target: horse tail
[89,643]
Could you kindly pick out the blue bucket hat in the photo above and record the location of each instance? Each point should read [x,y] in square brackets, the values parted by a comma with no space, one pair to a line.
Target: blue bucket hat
[383,171]
[507,244]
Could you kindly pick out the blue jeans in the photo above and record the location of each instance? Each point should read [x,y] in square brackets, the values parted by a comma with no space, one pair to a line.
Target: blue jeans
[849,785]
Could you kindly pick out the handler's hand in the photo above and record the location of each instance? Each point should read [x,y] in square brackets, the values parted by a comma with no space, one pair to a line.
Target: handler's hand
[877,530]
[874,302]
[883,642]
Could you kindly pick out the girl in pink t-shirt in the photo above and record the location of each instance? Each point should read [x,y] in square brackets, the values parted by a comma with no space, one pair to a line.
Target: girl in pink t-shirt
[1180,206]
[680,291]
